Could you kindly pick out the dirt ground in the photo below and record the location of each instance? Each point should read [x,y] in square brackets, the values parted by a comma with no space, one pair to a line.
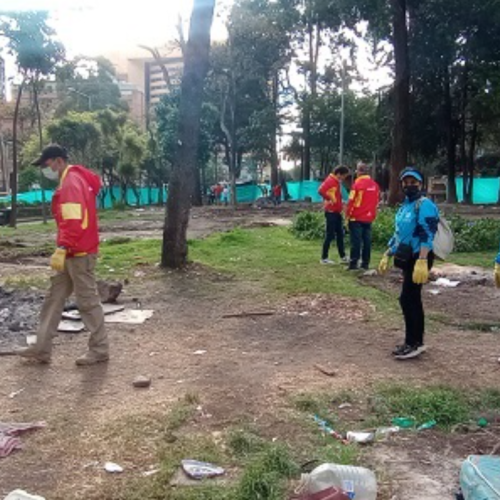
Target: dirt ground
[252,365]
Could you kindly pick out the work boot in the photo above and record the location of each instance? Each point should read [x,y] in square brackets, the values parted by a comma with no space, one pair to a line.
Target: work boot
[33,354]
[91,358]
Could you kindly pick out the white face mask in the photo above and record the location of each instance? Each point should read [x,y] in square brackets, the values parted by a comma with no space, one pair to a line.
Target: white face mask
[50,174]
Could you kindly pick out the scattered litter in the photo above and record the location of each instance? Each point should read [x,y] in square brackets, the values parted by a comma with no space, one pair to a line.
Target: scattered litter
[434,292]
[345,406]
[427,425]
[305,313]
[67,326]
[445,282]
[130,316]
[200,352]
[404,422]
[482,422]
[22,495]
[75,315]
[360,437]
[142,382]
[248,314]
[201,470]
[113,468]
[31,339]
[353,482]
[9,441]
[326,428]
[385,432]
[12,395]
[327,371]
[151,472]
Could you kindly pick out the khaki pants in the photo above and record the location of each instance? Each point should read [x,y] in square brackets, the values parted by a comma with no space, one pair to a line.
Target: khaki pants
[78,276]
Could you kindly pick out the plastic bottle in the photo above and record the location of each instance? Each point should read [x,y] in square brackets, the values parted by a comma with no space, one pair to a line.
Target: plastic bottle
[22,495]
[359,483]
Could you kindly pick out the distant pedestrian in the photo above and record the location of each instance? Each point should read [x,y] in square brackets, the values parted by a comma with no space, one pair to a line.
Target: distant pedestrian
[277,194]
[360,214]
[412,248]
[225,195]
[217,193]
[331,192]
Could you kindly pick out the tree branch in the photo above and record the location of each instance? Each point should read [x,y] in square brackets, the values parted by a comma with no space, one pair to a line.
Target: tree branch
[158,59]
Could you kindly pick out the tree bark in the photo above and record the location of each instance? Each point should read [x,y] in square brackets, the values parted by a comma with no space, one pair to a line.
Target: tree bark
[463,137]
[13,186]
[175,249]
[400,132]
[274,147]
[470,163]
[40,140]
[451,140]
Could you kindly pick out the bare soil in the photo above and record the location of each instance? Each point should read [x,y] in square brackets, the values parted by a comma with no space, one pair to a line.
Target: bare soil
[251,368]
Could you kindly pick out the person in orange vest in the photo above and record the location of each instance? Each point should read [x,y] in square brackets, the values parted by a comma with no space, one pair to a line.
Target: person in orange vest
[360,213]
[75,212]
[331,192]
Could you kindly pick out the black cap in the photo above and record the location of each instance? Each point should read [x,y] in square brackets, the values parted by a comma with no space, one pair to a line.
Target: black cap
[50,152]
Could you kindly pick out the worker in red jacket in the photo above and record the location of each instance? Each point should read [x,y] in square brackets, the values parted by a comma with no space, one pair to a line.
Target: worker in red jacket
[331,192]
[277,194]
[74,260]
[360,213]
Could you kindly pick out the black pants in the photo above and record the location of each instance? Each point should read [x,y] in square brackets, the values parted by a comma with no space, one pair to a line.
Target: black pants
[361,243]
[334,230]
[411,304]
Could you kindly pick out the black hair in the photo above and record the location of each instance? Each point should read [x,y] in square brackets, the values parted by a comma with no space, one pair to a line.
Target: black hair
[341,170]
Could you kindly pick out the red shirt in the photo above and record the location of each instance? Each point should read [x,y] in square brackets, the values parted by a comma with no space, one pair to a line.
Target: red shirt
[363,200]
[74,209]
[277,190]
[331,192]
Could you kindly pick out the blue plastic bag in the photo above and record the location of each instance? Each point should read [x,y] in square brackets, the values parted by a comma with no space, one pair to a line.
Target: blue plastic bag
[480,478]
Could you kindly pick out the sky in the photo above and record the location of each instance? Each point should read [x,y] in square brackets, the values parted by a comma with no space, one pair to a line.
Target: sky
[95,27]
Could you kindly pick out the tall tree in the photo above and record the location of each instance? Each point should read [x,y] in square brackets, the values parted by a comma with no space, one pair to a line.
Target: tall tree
[31,41]
[196,61]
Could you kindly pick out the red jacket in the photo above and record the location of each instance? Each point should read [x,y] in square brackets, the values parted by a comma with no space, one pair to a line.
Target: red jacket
[363,200]
[331,192]
[277,191]
[75,212]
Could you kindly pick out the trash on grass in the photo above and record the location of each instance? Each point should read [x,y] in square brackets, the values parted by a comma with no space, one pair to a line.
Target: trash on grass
[404,422]
[201,470]
[482,422]
[385,432]
[360,437]
[326,428]
[113,468]
[427,425]
[345,405]
[200,352]
[22,495]
[9,433]
[445,282]
[356,482]
[12,395]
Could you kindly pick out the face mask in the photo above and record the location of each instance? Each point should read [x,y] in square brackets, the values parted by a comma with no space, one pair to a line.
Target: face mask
[412,192]
[50,174]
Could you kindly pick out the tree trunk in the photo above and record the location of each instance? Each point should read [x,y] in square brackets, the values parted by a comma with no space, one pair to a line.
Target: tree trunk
[470,163]
[450,140]
[463,137]
[400,133]
[175,249]
[306,167]
[197,193]
[13,184]
[40,139]
[274,148]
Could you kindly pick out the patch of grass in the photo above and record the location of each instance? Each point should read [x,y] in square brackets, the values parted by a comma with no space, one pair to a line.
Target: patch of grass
[480,259]
[447,405]
[244,442]
[283,264]
[26,282]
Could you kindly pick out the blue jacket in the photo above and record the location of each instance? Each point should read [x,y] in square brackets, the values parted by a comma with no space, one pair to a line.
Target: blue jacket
[497,260]
[417,233]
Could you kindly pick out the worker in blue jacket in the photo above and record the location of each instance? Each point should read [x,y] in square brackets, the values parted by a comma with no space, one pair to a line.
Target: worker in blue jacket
[411,246]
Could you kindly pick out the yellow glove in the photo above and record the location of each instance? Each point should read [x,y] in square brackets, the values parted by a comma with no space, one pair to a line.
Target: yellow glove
[383,267]
[58,260]
[497,275]
[421,272]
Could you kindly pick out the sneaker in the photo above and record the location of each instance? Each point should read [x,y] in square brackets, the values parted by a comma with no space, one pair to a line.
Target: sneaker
[91,358]
[410,352]
[33,354]
[399,350]
[345,260]
[327,262]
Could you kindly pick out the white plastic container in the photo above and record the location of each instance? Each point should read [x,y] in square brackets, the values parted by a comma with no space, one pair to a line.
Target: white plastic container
[358,482]
[22,495]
